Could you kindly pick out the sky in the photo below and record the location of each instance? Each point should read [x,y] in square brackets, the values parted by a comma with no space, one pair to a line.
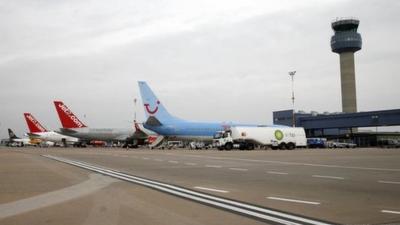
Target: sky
[224,60]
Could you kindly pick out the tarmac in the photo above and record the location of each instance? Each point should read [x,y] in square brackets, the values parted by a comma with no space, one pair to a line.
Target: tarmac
[344,186]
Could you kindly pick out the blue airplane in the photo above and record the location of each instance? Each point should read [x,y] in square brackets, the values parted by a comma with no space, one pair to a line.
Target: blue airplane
[167,126]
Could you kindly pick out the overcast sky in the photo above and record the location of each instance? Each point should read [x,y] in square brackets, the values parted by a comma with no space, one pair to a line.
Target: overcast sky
[211,60]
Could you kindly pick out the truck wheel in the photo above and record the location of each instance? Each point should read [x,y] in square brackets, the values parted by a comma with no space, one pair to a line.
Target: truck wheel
[282,146]
[290,146]
[228,146]
[250,147]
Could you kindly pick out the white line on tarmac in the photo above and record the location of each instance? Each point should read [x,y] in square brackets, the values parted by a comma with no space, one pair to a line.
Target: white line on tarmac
[388,182]
[211,189]
[237,207]
[145,158]
[291,163]
[191,164]
[293,200]
[213,166]
[173,161]
[278,173]
[390,211]
[328,177]
[239,169]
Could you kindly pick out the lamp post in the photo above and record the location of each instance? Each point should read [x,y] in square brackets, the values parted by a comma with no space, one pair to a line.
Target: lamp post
[134,115]
[291,74]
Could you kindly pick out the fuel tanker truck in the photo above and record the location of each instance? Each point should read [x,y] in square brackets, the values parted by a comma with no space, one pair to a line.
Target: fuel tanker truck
[247,138]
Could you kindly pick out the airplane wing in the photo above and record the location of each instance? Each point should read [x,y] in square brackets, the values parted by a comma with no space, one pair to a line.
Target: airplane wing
[32,135]
[66,131]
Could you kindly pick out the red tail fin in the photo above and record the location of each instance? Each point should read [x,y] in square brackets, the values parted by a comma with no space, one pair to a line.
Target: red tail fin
[33,124]
[67,117]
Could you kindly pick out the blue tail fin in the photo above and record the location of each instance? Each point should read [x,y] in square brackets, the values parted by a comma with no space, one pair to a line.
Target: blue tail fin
[153,108]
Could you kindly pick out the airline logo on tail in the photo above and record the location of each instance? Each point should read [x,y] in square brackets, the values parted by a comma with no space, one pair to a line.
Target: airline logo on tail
[33,124]
[67,117]
[11,133]
[151,112]
[156,113]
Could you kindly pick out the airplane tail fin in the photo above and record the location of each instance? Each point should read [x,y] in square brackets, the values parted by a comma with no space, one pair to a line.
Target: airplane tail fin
[11,134]
[33,125]
[67,117]
[153,108]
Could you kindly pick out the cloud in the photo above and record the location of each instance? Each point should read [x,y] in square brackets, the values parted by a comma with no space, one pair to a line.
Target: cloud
[206,60]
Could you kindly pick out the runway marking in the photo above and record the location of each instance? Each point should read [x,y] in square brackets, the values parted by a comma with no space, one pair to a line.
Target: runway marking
[145,158]
[241,208]
[213,166]
[159,160]
[390,211]
[211,189]
[173,161]
[94,183]
[388,182]
[328,177]
[294,200]
[291,163]
[239,169]
[278,173]
[191,164]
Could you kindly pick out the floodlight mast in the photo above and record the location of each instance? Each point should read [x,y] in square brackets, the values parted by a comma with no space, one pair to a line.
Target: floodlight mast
[291,74]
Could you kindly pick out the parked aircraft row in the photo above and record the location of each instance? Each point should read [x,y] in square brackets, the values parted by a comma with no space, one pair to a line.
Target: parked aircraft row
[160,125]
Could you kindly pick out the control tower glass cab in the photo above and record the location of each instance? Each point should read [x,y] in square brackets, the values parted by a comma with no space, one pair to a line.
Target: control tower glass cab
[345,42]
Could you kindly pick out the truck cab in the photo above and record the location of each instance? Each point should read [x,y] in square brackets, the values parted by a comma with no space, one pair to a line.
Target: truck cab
[223,141]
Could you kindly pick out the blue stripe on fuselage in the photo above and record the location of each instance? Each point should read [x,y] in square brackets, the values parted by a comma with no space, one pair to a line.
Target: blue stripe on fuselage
[184,128]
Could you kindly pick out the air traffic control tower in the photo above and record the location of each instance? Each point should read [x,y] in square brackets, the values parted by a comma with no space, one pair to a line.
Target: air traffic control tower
[345,42]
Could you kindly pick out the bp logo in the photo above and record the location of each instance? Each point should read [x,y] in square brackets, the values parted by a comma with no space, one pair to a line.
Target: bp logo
[278,135]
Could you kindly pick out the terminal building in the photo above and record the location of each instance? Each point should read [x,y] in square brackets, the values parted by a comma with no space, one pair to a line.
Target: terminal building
[341,125]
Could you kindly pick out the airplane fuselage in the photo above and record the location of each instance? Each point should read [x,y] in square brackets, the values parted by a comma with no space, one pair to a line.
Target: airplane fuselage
[184,130]
[55,137]
[99,134]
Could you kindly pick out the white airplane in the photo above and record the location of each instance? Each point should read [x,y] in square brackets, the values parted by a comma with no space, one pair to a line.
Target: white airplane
[20,142]
[72,126]
[37,131]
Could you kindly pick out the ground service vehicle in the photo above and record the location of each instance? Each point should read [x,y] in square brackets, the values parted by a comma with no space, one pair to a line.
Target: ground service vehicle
[317,142]
[338,144]
[243,137]
[390,143]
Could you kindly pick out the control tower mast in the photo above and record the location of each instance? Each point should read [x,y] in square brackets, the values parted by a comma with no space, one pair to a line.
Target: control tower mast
[345,42]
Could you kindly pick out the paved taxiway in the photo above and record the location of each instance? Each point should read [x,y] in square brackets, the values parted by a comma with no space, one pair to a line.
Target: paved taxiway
[342,186]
